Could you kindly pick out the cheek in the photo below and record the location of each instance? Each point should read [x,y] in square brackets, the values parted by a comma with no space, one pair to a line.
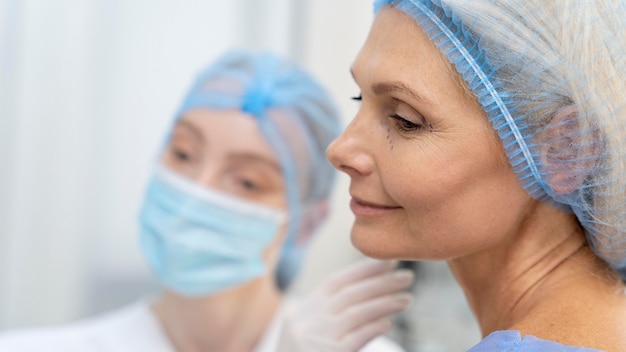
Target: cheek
[276,199]
[455,207]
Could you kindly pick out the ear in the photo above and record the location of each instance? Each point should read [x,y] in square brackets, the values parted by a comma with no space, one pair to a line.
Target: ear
[568,151]
[311,220]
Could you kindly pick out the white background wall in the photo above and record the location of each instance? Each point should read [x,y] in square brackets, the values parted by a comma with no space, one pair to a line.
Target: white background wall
[87,89]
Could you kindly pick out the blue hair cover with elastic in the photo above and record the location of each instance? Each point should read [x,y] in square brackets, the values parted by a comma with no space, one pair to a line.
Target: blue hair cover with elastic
[297,117]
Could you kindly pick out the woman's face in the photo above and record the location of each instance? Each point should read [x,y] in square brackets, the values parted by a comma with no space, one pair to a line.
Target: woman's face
[226,151]
[429,178]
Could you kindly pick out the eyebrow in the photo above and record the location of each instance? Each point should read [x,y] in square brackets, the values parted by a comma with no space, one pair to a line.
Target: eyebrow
[381,88]
[239,155]
[195,130]
[250,157]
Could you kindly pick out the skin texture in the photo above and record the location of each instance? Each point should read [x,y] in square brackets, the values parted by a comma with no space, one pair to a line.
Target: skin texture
[225,150]
[430,181]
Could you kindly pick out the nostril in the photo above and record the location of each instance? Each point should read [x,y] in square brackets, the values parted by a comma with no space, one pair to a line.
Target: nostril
[351,171]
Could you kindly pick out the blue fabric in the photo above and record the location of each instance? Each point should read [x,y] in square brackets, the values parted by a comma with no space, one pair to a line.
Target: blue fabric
[511,341]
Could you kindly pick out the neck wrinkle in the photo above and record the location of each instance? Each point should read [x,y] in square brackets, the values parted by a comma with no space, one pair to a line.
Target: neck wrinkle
[544,277]
[502,284]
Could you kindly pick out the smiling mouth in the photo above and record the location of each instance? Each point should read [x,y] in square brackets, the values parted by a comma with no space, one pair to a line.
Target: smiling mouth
[363,208]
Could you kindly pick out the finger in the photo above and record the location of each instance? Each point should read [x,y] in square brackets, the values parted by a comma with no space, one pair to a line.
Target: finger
[380,285]
[357,271]
[360,337]
[369,311]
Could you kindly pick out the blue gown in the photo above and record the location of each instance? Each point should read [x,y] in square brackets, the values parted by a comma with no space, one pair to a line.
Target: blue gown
[511,341]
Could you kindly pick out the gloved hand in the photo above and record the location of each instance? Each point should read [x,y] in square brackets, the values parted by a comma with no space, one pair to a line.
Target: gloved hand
[348,310]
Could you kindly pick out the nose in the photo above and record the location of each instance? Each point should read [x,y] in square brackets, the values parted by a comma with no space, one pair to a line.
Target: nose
[201,170]
[349,152]
[206,176]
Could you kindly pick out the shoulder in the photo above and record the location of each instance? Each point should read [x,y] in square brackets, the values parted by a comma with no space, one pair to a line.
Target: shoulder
[129,328]
[511,341]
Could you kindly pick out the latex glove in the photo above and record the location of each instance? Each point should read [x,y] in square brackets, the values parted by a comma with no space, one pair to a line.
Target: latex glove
[348,310]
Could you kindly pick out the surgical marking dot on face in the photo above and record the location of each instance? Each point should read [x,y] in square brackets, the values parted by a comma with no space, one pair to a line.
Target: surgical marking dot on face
[388,137]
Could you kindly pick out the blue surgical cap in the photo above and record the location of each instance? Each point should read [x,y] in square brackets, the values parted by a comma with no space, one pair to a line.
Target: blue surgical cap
[299,120]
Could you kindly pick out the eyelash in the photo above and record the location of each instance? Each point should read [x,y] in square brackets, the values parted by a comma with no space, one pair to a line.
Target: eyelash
[402,124]
[405,125]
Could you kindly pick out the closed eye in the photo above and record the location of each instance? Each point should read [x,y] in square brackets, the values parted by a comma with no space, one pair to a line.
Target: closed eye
[405,125]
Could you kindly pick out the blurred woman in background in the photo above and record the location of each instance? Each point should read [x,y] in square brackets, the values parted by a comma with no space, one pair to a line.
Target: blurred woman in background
[239,188]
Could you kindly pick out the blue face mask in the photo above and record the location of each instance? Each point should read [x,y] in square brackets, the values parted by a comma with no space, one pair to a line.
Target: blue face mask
[198,241]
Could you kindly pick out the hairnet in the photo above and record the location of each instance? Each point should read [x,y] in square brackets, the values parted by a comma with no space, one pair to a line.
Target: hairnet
[298,119]
[550,75]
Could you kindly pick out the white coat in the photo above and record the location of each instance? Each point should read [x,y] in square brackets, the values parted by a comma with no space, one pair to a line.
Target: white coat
[130,329]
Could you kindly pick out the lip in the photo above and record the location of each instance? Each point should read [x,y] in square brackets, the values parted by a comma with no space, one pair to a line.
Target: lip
[363,208]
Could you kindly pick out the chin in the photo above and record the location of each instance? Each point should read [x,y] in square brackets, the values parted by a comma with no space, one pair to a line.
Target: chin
[374,245]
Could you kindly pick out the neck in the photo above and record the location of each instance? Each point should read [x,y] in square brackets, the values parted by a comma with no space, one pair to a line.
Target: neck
[232,320]
[515,282]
